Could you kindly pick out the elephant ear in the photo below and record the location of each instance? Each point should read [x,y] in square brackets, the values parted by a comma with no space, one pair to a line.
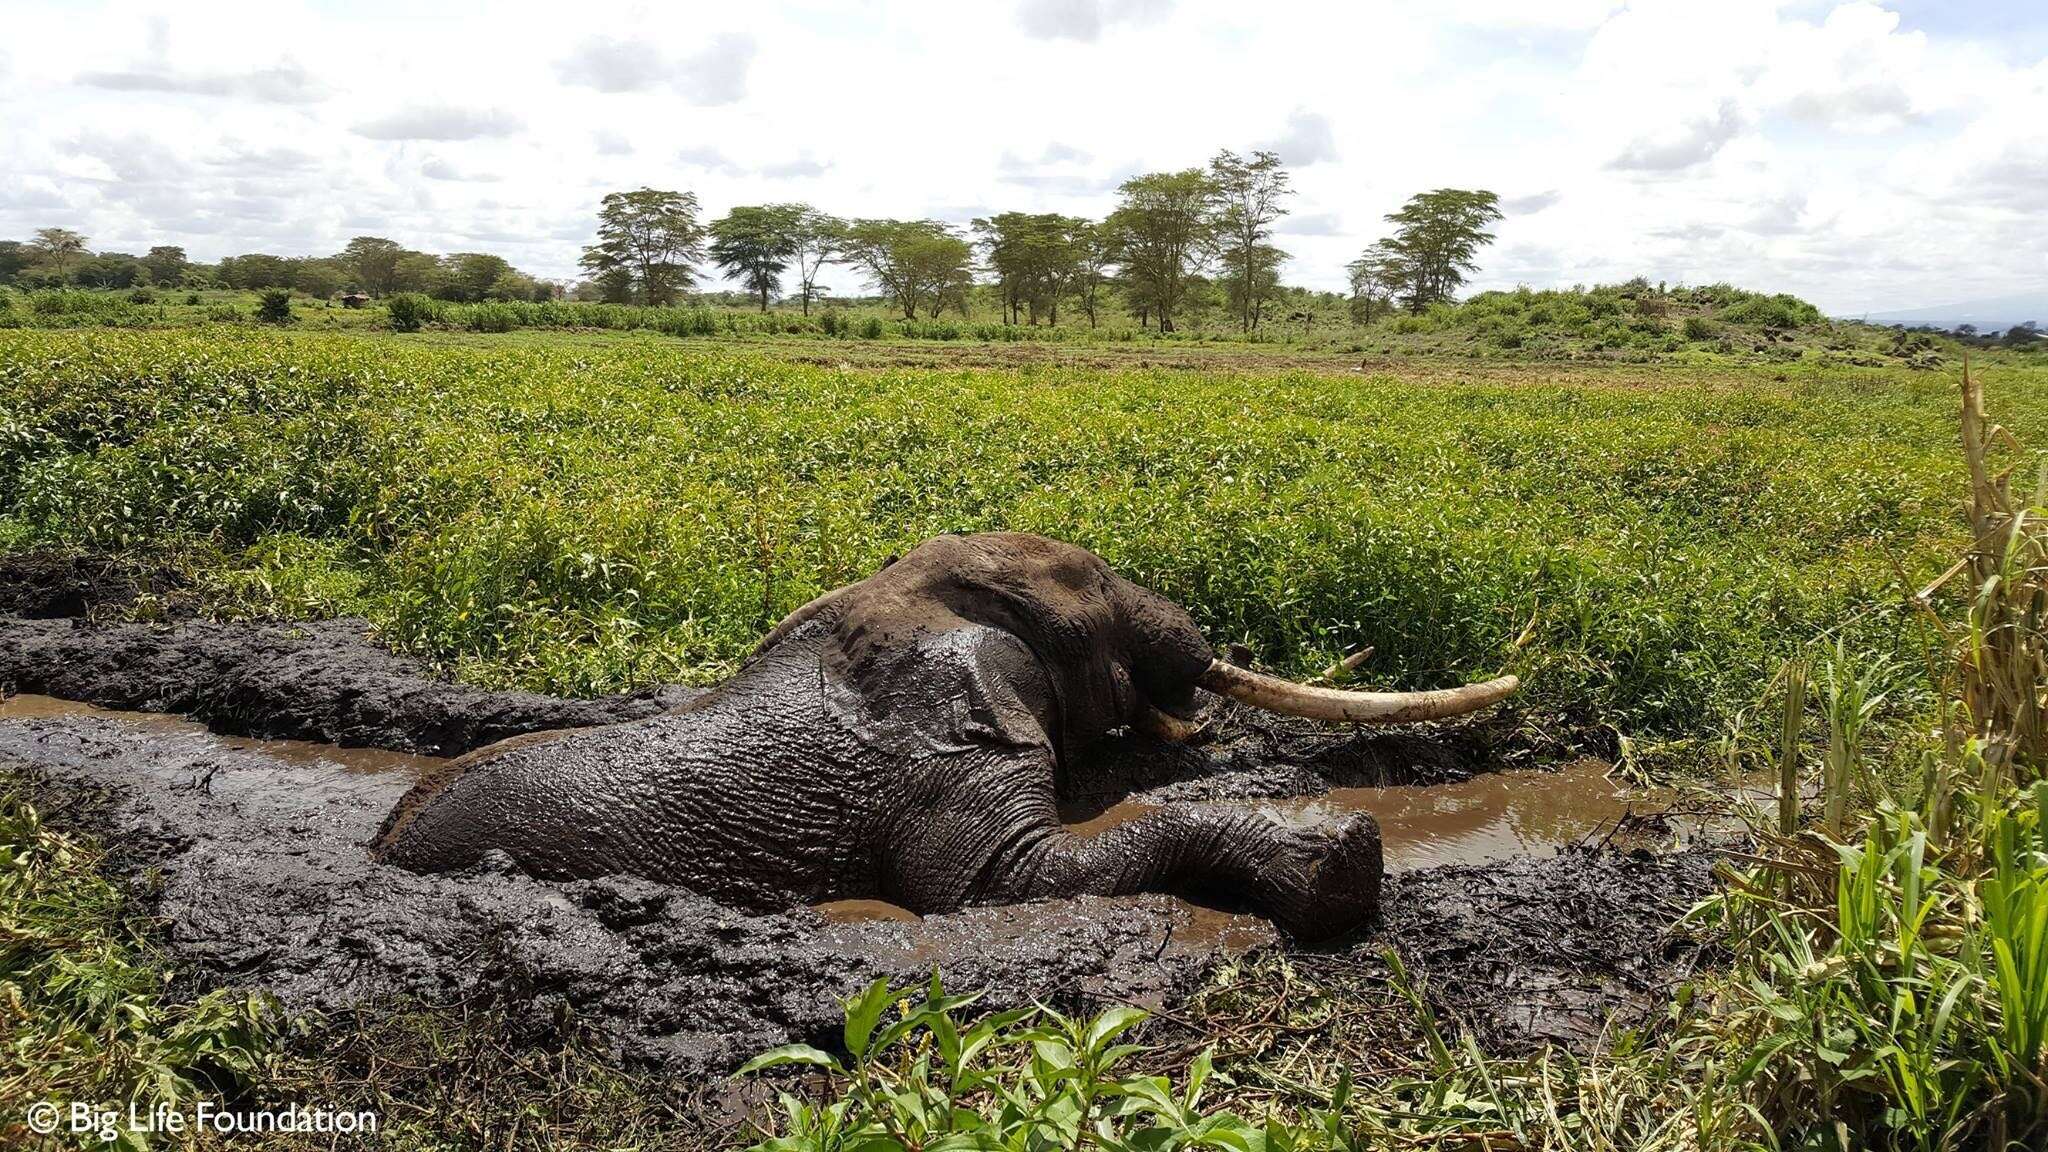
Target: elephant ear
[938,691]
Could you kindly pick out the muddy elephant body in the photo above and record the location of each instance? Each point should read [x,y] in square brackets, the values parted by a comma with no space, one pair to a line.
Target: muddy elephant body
[902,738]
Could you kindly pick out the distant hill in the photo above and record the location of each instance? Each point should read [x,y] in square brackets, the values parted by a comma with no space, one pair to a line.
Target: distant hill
[1994,314]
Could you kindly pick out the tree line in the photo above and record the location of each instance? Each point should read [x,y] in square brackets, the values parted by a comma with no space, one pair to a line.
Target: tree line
[1171,236]
[1175,241]
[59,258]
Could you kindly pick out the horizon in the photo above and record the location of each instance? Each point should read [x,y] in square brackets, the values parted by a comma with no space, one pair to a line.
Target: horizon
[1869,158]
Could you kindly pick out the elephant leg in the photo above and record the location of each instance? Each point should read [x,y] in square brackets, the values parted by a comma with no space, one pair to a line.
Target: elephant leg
[1316,883]
[992,835]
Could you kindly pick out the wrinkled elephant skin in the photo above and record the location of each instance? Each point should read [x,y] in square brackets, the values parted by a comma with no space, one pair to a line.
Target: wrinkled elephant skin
[901,739]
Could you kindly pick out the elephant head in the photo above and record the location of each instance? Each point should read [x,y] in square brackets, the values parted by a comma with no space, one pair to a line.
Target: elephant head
[903,738]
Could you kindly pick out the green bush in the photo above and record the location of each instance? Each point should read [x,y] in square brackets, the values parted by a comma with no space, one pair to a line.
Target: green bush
[526,511]
[490,317]
[919,1077]
[274,306]
[85,1001]
[871,328]
[1700,328]
[408,311]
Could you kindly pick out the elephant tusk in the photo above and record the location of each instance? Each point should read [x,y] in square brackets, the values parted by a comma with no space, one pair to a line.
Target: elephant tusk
[1291,699]
[1169,727]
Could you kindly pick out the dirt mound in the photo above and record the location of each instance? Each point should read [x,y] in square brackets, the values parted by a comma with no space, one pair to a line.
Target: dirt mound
[52,585]
[1531,950]
[324,681]
[265,881]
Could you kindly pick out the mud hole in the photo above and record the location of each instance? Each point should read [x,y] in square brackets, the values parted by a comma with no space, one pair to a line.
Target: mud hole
[250,850]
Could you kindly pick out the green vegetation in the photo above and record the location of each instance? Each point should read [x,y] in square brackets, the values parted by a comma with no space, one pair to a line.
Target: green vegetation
[587,516]
[1884,994]
[85,1012]
[1647,546]
[1887,990]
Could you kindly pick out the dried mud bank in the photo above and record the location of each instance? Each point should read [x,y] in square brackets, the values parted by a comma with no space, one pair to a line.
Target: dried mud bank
[324,681]
[257,868]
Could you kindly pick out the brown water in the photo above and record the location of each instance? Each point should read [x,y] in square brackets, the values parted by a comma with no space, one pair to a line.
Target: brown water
[1491,817]
[355,760]
[1486,818]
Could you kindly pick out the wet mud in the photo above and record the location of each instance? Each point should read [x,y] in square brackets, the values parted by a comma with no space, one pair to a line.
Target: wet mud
[53,585]
[254,855]
[325,681]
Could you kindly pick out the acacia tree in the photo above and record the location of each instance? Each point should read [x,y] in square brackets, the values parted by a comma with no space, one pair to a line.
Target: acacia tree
[1248,194]
[165,264]
[756,244]
[1437,237]
[815,239]
[1163,233]
[60,248]
[374,261]
[1376,276]
[653,236]
[918,263]
[1035,257]
[1250,288]
[1091,264]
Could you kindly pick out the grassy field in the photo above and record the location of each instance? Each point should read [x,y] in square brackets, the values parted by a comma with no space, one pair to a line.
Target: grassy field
[581,511]
[581,514]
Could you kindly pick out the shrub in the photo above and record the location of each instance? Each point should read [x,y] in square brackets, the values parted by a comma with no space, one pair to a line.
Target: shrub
[409,310]
[275,306]
[191,298]
[830,322]
[871,328]
[920,1077]
[1700,328]
[493,317]
[142,296]
[89,1006]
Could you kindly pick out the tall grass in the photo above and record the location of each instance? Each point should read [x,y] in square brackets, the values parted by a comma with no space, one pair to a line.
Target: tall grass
[581,518]
[84,1010]
[1886,984]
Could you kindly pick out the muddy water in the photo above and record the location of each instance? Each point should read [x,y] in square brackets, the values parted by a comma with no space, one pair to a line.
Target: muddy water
[351,760]
[1492,817]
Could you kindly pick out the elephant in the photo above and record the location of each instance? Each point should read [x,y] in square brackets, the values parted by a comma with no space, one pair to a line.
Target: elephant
[904,738]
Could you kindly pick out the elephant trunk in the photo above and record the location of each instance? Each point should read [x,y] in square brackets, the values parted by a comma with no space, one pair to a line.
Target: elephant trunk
[1290,699]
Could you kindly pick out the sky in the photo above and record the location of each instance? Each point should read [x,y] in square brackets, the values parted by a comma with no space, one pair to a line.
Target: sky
[1865,156]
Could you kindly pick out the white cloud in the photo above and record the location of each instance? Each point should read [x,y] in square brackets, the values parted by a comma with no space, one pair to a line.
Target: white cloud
[1694,142]
[801,168]
[708,159]
[1798,147]
[1306,140]
[1311,224]
[718,74]
[1531,204]
[612,65]
[441,122]
[441,168]
[714,75]
[1082,19]
[279,84]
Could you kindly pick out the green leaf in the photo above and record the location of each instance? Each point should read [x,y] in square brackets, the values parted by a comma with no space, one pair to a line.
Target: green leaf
[862,1013]
[1109,1024]
[788,1054]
